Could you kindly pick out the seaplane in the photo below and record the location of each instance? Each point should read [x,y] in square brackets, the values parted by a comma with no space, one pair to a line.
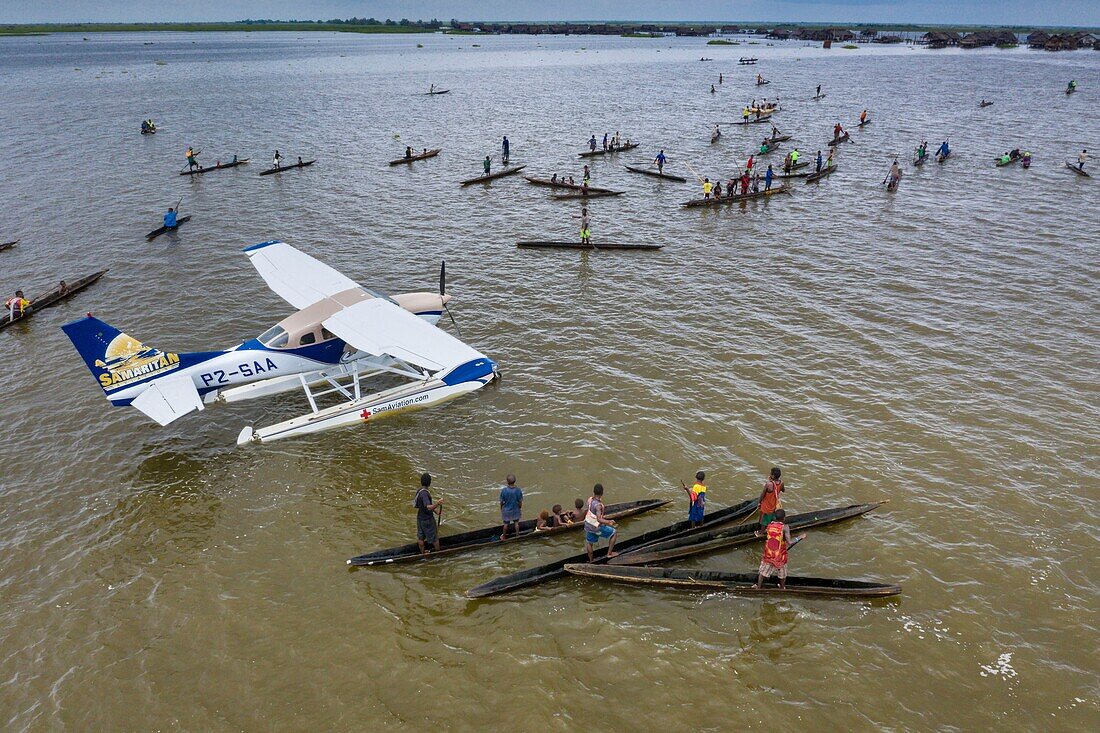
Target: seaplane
[342,337]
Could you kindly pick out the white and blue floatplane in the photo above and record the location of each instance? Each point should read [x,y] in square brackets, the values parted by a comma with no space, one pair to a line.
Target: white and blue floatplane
[342,334]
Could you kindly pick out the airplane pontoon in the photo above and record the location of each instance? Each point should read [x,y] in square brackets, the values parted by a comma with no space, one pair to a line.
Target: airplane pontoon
[342,335]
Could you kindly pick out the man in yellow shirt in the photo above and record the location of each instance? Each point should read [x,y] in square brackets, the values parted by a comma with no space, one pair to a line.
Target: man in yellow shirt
[17,305]
[707,186]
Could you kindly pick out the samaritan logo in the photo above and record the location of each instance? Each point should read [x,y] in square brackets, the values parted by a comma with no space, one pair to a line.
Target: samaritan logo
[128,360]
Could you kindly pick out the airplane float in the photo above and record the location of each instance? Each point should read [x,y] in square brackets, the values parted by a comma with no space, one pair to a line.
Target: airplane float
[342,334]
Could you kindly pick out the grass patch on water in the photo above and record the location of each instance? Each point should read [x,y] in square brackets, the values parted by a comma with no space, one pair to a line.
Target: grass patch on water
[720,42]
[640,35]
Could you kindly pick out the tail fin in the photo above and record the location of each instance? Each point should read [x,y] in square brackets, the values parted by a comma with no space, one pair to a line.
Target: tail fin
[115,359]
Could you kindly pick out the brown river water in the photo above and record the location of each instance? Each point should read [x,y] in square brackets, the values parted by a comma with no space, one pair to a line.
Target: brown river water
[937,347]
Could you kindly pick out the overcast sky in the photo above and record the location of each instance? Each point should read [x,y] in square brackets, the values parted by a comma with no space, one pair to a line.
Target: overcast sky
[984,12]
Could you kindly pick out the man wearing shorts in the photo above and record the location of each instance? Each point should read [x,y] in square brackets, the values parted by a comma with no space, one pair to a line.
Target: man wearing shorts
[426,527]
[596,527]
[511,506]
[769,499]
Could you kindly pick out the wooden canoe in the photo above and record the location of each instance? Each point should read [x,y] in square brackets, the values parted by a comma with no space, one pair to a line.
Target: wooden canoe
[655,174]
[720,200]
[778,139]
[921,161]
[747,62]
[560,184]
[768,147]
[594,153]
[762,83]
[492,176]
[218,167]
[721,539]
[51,297]
[581,245]
[589,194]
[740,583]
[541,574]
[1077,170]
[754,120]
[1001,163]
[793,175]
[282,168]
[819,96]
[8,245]
[161,230]
[795,167]
[865,122]
[419,156]
[984,104]
[942,158]
[438,91]
[490,537]
[829,170]
[838,140]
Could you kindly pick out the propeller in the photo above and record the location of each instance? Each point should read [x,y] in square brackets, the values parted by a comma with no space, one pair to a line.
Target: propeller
[443,291]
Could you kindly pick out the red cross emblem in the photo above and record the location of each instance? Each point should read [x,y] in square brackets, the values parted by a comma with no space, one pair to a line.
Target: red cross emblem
[365,414]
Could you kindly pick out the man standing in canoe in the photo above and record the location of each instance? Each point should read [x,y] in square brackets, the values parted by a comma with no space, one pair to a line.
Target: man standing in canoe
[504,151]
[592,144]
[769,499]
[276,160]
[707,188]
[697,496]
[795,155]
[838,130]
[944,151]
[863,117]
[596,527]
[768,178]
[487,164]
[818,169]
[511,506]
[585,232]
[1081,158]
[819,90]
[605,141]
[17,305]
[427,527]
[777,540]
[170,219]
[660,161]
[192,159]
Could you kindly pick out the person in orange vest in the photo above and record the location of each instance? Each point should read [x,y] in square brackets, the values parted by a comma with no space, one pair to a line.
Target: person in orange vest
[697,495]
[777,540]
[770,499]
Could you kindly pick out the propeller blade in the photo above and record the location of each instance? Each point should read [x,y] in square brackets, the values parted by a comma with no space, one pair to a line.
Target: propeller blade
[443,277]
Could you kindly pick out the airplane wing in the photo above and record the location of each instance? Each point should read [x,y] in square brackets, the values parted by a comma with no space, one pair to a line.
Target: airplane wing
[379,327]
[294,276]
[168,399]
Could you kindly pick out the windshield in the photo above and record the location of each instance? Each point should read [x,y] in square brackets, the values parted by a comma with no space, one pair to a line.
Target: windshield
[274,337]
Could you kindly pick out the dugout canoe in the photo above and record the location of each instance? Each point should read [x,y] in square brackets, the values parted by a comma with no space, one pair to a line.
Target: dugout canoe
[8,245]
[282,168]
[560,184]
[218,167]
[838,140]
[778,139]
[1077,170]
[161,230]
[490,537]
[1001,163]
[51,297]
[795,167]
[865,122]
[720,539]
[720,200]
[534,244]
[983,104]
[784,176]
[556,569]
[921,161]
[821,173]
[767,117]
[419,156]
[762,83]
[769,147]
[438,91]
[621,148]
[819,96]
[492,176]
[942,158]
[655,174]
[740,583]
[589,194]
[747,62]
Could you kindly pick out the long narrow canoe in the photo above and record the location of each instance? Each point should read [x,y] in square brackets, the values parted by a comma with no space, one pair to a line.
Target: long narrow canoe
[747,62]
[556,569]
[819,96]
[921,161]
[762,83]
[594,153]
[740,583]
[778,139]
[821,173]
[560,184]
[655,174]
[51,297]
[942,158]
[754,120]
[220,166]
[721,539]
[161,230]
[720,200]
[838,140]
[984,104]
[581,245]
[282,168]
[499,174]
[1001,163]
[865,122]
[793,175]
[418,156]
[438,91]
[769,146]
[589,194]
[8,245]
[490,537]
[1077,170]
[795,167]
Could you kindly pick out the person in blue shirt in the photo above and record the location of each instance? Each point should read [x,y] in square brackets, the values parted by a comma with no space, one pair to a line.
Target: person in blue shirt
[170,219]
[504,150]
[818,161]
[511,505]
[944,150]
[768,178]
[660,161]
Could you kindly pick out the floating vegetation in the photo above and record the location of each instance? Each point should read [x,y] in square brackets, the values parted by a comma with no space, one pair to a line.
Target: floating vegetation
[850,46]
[720,42]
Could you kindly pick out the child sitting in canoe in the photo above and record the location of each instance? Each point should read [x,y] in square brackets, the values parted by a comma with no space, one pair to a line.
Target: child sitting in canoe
[577,515]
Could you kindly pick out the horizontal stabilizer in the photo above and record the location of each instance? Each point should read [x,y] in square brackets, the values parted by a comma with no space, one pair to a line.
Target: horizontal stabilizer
[379,327]
[294,276]
[167,399]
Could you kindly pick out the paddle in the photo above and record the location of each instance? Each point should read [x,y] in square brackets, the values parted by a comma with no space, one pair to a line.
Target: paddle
[443,291]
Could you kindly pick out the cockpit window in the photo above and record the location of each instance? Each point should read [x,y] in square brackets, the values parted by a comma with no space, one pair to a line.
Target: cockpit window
[307,339]
[326,334]
[274,338]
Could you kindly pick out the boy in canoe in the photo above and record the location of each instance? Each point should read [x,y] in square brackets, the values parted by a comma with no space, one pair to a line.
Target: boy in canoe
[596,527]
[777,540]
[770,499]
[487,163]
[579,510]
[511,506]
[427,528]
[17,305]
[697,496]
